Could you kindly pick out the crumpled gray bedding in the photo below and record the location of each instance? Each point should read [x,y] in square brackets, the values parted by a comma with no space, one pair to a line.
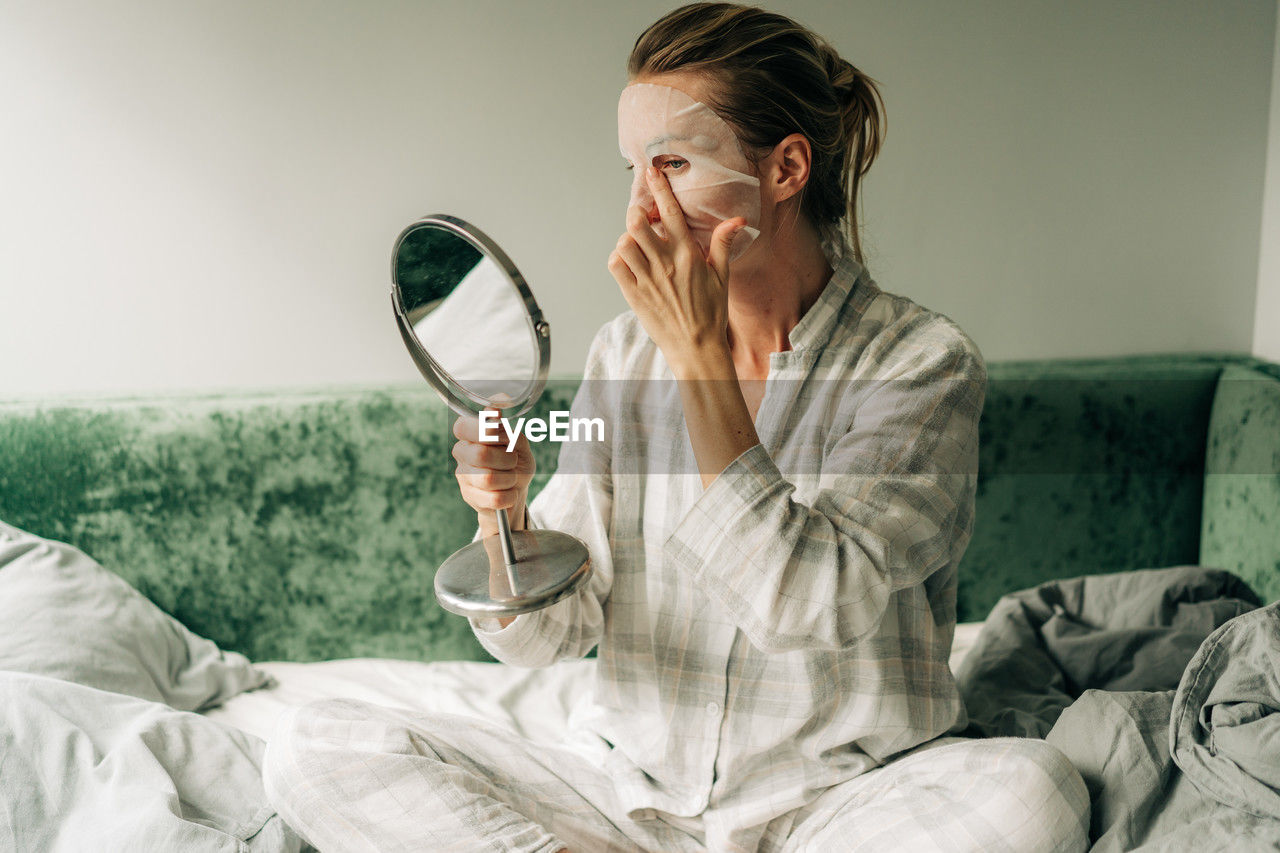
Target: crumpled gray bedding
[1193,769]
[1041,648]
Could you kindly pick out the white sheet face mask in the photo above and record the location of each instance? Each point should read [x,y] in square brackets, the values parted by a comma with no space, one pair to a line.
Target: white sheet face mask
[709,173]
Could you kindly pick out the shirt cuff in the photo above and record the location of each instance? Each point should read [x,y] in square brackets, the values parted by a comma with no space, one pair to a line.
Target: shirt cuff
[716,512]
[520,633]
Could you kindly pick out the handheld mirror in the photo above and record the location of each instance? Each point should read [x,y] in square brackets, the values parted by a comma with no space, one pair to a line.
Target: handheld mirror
[478,337]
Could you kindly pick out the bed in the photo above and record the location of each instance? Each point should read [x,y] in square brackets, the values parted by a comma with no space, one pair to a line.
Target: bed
[536,703]
[264,550]
[120,729]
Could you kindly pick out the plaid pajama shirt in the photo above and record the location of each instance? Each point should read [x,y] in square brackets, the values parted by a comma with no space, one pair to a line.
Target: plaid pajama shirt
[766,641]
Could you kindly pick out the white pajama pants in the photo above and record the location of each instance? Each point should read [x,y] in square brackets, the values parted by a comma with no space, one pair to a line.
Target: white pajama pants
[350,776]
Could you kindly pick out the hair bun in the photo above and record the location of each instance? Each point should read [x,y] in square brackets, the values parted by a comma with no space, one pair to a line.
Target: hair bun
[843,76]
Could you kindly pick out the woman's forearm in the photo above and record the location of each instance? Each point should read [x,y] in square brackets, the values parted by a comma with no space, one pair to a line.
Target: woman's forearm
[720,425]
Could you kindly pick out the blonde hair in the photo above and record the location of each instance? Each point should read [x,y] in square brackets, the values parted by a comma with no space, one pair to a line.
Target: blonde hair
[771,77]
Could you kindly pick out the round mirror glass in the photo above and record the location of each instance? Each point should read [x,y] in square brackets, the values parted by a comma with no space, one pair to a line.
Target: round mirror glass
[472,316]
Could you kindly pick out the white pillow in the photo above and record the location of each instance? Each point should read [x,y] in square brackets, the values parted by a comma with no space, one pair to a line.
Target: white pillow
[62,615]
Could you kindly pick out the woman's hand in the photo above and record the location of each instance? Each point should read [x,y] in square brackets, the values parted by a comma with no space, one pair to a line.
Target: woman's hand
[491,478]
[680,295]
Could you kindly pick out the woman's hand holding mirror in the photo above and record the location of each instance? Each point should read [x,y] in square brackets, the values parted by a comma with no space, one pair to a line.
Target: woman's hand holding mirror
[490,477]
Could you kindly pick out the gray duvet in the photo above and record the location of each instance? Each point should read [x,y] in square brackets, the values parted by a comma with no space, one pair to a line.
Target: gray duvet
[1041,648]
[1161,686]
[1193,769]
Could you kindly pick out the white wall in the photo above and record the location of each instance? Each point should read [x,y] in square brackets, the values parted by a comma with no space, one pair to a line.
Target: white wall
[1266,319]
[204,195]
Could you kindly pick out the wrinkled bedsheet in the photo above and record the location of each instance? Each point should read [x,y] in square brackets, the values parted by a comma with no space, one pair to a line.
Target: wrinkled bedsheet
[537,704]
[1041,648]
[85,769]
[1196,768]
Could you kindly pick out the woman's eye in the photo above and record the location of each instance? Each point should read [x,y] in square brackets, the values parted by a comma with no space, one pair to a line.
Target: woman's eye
[670,164]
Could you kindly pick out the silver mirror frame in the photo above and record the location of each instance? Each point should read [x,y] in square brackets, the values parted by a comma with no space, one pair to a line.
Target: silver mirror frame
[460,399]
[541,566]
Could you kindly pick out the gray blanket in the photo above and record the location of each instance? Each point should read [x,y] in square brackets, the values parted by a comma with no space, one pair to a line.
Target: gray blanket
[1193,769]
[1041,648]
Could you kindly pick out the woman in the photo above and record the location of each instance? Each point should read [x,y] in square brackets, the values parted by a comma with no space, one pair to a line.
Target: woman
[774,533]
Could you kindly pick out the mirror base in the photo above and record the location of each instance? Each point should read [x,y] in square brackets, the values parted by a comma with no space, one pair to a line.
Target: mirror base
[549,566]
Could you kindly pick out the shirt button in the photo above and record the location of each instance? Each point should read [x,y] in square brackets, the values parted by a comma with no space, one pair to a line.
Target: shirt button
[712,709]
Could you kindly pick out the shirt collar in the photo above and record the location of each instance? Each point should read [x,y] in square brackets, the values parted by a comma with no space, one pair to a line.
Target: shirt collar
[818,323]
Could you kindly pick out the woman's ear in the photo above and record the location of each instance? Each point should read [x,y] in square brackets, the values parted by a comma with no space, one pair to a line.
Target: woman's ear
[788,167]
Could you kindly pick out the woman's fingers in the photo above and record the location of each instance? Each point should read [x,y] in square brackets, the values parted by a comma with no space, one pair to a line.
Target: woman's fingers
[484,487]
[639,229]
[668,208]
[468,429]
[721,240]
[471,450]
[485,456]
[487,479]
[623,275]
[489,476]
[482,499]
[641,255]
[621,272]
[637,263]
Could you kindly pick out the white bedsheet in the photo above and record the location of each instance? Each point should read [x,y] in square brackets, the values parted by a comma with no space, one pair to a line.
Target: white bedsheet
[535,703]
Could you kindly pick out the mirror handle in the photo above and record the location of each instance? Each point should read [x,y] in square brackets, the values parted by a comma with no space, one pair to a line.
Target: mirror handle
[508,548]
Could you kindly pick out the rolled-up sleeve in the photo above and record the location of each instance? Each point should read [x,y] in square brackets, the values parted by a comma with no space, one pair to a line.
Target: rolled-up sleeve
[895,506]
[572,626]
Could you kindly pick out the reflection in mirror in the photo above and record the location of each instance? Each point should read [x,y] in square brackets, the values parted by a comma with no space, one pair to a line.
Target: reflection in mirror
[467,314]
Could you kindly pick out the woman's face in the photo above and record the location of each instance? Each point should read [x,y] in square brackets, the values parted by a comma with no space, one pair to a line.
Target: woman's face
[665,127]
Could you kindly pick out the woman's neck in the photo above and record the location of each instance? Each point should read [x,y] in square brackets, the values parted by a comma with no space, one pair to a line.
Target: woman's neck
[768,298]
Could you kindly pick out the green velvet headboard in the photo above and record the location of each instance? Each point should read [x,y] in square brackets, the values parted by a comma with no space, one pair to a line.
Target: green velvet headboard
[1240,527]
[297,526]
[307,525]
[1086,467]
[1099,465]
